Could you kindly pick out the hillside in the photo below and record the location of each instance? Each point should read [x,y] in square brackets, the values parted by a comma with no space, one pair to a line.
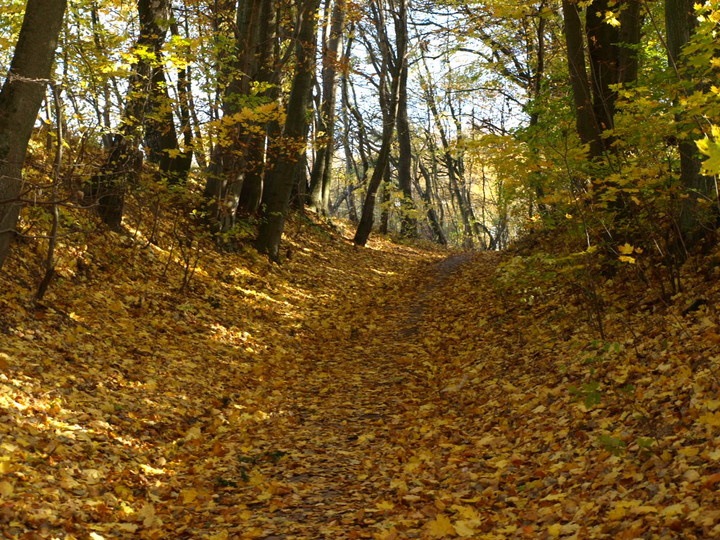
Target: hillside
[383,392]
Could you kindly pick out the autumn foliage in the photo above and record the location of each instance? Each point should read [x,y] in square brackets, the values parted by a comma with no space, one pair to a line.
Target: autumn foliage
[228,308]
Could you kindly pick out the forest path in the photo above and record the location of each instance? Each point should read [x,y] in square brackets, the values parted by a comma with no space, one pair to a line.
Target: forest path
[359,410]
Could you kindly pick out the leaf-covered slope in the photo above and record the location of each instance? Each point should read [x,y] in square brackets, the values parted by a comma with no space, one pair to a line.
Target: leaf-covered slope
[371,393]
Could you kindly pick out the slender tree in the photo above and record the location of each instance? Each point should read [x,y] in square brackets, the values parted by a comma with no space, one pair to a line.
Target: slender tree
[390,74]
[320,179]
[408,227]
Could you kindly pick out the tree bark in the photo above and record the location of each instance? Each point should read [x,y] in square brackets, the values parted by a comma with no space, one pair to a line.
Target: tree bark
[408,223]
[320,179]
[252,187]
[20,100]
[279,190]
[680,24]
[587,128]
[147,94]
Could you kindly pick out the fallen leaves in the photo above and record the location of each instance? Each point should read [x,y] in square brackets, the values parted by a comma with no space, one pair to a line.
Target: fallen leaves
[367,394]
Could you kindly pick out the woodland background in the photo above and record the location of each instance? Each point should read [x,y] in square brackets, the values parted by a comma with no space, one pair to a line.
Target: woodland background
[466,124]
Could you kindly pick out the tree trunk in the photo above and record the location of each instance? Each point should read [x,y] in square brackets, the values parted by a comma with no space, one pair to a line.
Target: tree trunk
[20,100]
[431,214]
[235,155]
[602,41]
[147,93]
[251,192]
[587,128]
[680,24]
[320,179]
[280,188]
[408,224]
[390,70]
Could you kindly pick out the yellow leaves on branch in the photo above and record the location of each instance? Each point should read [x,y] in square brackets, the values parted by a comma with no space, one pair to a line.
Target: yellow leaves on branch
[710,147]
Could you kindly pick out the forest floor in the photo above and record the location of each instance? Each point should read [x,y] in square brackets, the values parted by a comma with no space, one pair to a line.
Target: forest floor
[385,392]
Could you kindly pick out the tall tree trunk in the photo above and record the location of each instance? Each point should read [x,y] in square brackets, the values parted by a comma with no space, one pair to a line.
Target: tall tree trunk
[367,216]
[587,128]
[252,187]
[537,85]
[160,134]
[680,24]
[279,189]
[390,70]
[408,224]
[320,179]
[189,125]
[147,93]
[20,100]
[231,159]
[602,43]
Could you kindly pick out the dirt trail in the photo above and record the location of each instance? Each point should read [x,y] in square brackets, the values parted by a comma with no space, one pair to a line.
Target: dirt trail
[347,433]
[439,274]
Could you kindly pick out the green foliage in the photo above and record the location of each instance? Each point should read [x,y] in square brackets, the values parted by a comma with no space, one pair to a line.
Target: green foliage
[613,445]
[588,392]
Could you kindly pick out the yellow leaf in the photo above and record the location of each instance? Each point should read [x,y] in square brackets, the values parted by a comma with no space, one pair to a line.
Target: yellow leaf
[617,514]
[385,505]
[643,509]
[710,419]
[465,527]
[555,529]
[6,489]
[626,249]
[673,510]
[390,534]
[398,484]
[116,306]
[468,513]
[712,404]
[193,433]
[189,495]
[222,535]
[147,515]
[441,527]
[625,258]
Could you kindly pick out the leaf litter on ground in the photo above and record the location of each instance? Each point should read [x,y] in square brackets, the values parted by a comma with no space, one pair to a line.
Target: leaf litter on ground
[349,393]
